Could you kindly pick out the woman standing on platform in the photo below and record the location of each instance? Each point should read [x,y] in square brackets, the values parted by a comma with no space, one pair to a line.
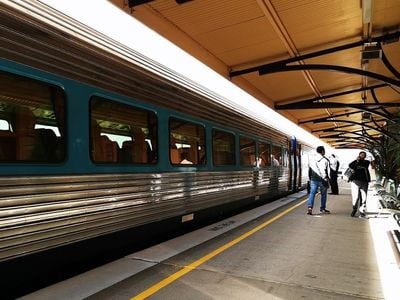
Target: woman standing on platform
[359,185]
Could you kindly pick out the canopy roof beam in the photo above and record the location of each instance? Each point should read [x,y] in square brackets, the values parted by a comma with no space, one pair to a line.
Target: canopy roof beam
[378,39]
[362,106]
[333,118]
[310,100]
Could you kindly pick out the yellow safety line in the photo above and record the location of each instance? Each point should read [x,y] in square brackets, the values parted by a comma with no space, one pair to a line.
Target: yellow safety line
[186,269]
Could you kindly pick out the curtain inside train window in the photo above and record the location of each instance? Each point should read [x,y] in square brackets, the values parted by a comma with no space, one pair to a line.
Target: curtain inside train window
[121,133]
[187,144]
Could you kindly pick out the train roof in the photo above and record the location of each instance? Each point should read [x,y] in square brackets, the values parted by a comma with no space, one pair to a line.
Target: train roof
[91,57]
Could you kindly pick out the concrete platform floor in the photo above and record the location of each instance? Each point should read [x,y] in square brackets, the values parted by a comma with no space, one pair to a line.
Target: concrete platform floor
[292,256]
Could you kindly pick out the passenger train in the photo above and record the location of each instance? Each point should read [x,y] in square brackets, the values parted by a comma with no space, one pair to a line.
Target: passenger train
[99,143]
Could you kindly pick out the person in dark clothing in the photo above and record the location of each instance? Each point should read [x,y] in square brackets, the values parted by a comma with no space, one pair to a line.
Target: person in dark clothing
[359,185]
[334,168]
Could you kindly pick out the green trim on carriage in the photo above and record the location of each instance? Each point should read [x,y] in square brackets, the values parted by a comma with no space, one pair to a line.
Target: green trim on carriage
[77,159]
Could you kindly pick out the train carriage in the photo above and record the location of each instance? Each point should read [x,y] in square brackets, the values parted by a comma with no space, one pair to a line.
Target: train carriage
[96,140]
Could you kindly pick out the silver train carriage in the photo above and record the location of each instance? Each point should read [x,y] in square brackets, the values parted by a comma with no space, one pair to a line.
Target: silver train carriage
[96,139]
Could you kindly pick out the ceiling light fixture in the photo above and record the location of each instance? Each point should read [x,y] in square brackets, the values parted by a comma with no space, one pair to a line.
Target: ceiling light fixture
[132,3]
[366,116]
[371,51]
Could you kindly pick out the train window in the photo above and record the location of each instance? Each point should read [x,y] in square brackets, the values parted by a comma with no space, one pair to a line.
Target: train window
[186,142]
[247,151]
[223,148]
[276,156]
[121,133]
[31,120]
[264,155]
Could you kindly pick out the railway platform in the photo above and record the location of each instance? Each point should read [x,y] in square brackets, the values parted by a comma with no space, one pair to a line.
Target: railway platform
[275,251]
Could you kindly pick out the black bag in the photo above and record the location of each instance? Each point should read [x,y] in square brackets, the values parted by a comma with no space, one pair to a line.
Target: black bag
[349,174]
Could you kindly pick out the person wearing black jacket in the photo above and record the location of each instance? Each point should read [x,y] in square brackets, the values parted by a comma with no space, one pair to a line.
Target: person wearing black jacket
[359,185]
[334,168]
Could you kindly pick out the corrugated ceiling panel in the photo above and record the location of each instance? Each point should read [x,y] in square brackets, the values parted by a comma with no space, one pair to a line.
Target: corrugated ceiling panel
[318,13]
[327,34]
[348,58]
[285,5]
[281,86]
[386,14]
[387,94]
[377,66]
[350,98]
[237,36]
[392,53]
[327,21]
[208,15]
[254,54]
[329,80]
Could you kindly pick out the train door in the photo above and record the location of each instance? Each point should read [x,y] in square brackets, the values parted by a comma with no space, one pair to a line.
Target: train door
[294,164]
[299,166]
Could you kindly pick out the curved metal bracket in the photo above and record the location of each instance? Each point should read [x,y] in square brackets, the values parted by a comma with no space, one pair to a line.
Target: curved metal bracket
[367,107]
[365,125]
[334,95]
[351,146]
[377,39]
[278,67]
[360,108]
[347,132]
[388,64]
[377,101]
[336,127]
[332,118]
[353,140]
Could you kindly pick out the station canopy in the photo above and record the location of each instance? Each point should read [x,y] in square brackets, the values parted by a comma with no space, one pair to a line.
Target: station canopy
[330,66]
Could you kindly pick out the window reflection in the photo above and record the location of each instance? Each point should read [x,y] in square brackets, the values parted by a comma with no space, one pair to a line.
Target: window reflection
[247,151]
[223,148]
[186,143]
[122,133]
[31,120]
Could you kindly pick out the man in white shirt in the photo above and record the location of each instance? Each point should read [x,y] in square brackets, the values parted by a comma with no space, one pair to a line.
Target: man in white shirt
[319,179]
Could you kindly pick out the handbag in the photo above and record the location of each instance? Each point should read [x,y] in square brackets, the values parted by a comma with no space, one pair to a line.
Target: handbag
[349,174]
[325,183]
